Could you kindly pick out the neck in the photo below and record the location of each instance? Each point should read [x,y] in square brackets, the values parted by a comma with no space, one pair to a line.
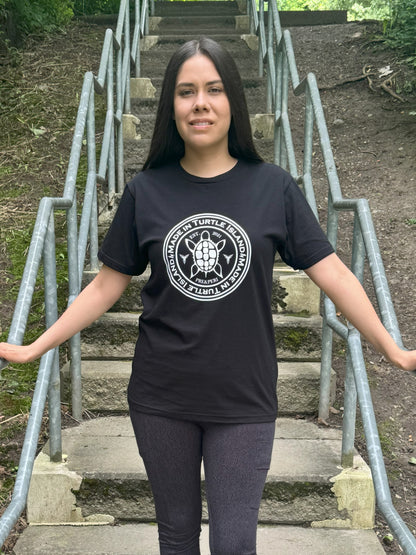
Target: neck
[207,164]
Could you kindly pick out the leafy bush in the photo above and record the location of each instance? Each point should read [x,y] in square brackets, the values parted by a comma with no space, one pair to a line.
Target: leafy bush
[401,33]
[375,9]
[398,17]
[357,9]
[34,16]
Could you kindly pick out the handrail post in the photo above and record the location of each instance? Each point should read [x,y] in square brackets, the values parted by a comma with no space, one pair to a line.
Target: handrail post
[308,136]
[285,92]
[278,105]
[110,106]
[137,33]
[74,288]
[146,19]
[252,18]
[326,366]
[92,171]
[51,315]
[119,112]
[126,76]
[261,26]
[350,404]
[350,410]
[270,63]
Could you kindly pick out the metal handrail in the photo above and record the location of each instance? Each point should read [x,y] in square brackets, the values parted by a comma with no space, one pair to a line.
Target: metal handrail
[276,50]
[81,238]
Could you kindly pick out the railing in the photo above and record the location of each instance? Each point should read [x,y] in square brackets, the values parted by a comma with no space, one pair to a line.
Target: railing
[276,51]
[113,80]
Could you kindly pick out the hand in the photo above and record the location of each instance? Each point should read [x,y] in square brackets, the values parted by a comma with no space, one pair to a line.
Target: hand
[17,353]
[406,360]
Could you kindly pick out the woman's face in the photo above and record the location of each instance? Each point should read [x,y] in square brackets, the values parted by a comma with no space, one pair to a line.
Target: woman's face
[201,107]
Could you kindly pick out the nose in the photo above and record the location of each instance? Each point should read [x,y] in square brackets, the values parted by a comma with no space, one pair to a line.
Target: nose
[201,102]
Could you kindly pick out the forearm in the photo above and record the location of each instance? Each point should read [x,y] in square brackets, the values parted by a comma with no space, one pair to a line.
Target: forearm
[344,289]
[90,304]
[352,301]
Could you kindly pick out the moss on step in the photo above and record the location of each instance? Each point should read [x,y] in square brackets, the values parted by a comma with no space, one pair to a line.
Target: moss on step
[297,339]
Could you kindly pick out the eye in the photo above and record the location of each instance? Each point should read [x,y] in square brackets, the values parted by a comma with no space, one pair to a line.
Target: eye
[185,92]
[215,90]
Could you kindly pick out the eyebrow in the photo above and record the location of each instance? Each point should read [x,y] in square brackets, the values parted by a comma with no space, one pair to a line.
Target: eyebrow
[193,84]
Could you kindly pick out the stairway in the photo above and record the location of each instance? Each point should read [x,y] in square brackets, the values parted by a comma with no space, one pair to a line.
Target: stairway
[310,504]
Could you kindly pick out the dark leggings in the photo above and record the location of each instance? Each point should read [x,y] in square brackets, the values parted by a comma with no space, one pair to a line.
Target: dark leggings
[236,460]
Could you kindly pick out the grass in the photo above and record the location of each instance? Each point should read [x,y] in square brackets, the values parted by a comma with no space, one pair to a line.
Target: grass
[39,94]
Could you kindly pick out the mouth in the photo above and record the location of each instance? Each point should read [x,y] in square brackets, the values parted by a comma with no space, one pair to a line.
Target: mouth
[200,123]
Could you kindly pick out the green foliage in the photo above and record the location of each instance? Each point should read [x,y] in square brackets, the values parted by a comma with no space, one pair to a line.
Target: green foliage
[374,9]
[37,16]
[362,9]
[92,7]
[402,31]
[17,380]
[398,17]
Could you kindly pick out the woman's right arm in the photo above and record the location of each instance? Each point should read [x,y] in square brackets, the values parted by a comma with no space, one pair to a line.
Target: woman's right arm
[91,303]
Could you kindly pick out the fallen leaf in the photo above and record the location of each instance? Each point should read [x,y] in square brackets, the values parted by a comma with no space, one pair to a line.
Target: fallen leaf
[384,71]
[38,132]
[388,539]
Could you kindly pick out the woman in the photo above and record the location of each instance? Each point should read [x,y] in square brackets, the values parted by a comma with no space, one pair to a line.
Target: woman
[209,216]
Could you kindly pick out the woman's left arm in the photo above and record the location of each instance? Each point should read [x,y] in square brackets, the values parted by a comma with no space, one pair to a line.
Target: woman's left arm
[346,292]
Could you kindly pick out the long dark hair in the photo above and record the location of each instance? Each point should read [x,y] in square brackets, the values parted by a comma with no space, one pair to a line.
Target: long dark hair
[167,145]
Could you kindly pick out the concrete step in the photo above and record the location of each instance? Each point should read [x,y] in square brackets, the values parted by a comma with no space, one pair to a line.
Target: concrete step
[103,475]
[141,539]
[155,64]
[240,45]
[104,386]
[235,42]
[201,29]
[209,23]
[167,8]
[293,293]
[114,336]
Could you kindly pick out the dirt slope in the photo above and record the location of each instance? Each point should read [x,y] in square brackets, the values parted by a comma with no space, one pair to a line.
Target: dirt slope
[373,135]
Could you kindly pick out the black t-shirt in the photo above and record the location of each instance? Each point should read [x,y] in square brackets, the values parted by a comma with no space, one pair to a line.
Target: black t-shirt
[206,347]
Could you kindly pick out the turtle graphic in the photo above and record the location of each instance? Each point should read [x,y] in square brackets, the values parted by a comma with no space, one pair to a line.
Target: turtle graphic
[205,255]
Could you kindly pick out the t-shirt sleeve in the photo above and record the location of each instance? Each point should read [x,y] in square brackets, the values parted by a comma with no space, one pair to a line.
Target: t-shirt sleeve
[120,249]
[306,243]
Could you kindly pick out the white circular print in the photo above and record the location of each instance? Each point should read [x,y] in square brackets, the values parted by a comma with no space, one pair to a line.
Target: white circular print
[207,256]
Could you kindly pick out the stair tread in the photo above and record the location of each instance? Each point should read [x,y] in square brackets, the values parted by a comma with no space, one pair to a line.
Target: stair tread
[278,319]
[302,450]
[123,368]
[141,539]
[105,383]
